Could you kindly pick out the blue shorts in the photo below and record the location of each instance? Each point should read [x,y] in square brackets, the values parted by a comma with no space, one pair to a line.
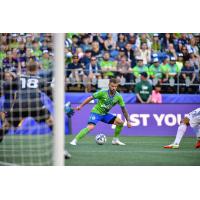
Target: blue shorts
[107,118]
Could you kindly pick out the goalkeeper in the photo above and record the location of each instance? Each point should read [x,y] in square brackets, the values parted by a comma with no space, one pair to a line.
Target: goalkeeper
[106,100]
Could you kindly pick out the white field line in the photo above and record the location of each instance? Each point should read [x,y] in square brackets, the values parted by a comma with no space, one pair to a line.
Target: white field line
[127,151]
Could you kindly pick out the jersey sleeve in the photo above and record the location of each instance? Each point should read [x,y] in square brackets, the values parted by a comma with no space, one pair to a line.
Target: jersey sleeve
[121,101]
[98,95]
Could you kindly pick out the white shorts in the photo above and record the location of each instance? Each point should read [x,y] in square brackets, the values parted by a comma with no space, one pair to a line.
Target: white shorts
[194,117]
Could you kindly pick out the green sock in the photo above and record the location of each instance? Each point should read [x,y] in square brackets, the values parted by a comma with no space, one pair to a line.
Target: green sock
[118,130]
[82,133]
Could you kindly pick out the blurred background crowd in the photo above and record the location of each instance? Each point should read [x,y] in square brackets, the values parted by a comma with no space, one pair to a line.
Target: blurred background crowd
[170,60]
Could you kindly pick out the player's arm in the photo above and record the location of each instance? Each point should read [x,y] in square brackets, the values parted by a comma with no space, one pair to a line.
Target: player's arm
[86,101]
[127,117]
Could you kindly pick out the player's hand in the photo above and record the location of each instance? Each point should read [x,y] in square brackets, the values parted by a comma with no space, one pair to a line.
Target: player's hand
[78,108]
[129,124]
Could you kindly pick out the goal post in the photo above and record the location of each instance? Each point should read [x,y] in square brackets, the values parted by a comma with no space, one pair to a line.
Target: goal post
[58,141]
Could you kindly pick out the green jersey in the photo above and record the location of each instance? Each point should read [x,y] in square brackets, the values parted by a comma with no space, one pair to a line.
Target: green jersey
[138,70]
[144,89]
[155,71]
[106,102]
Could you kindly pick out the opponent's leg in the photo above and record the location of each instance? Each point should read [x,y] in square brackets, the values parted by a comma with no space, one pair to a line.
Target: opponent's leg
[82,133]
[119,126]
[180,132]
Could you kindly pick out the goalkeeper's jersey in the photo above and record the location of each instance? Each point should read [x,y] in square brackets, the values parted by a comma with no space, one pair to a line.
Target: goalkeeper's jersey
[106,102]
[194,117]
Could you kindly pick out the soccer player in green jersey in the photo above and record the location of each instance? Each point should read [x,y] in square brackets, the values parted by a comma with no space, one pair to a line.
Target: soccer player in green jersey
[100,112]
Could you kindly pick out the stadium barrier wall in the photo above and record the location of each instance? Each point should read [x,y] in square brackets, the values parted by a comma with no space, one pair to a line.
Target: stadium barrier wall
[131,98]
[148,119]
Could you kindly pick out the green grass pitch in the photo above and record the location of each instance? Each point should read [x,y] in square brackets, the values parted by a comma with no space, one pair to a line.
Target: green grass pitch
[139,151]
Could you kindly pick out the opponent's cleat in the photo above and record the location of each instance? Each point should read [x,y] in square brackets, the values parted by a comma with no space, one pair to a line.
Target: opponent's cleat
[73,142]
[197,144]
[172,146]
[117,142]
[67,155]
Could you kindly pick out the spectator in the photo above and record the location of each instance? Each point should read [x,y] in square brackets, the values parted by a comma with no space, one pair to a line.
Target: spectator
[124,71]
[165,69]
[155,71]
[74,72]
[185,53]
[85,60]
[93,73]
[10,63]
[143,89]
[171,51]
[179,61]
[75,43]
[109,44]
[166,40]
[139,68]
[121,42]
[130,54]
[156,47]
[144,53]
[193,46]
[85,40]
[36,49]
[96,50]
[188,76]
[156,95]
[108,67]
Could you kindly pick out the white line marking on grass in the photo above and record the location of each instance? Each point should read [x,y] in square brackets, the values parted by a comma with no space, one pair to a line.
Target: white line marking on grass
[174,151]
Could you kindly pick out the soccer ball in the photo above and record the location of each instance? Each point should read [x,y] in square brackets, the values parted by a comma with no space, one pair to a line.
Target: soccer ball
[100,139]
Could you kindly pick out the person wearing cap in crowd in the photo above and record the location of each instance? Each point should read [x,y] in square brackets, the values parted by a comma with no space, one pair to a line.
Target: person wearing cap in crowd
[108,66]
[45,61]
[143,89]
[173,71]
[139,68]
[179,61]
[93,73]
[156,46]
[74,72]
[155,71]
[85,60]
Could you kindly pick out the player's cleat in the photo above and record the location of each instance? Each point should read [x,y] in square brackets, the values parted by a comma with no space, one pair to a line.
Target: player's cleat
[172,146]
[67,155]
[116,141]
[73,142]
[197,144]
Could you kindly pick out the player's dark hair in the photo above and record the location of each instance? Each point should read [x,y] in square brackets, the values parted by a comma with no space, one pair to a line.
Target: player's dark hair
[32,66]
[114,80]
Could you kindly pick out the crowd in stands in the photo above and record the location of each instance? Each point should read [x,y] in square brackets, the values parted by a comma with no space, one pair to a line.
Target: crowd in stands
[167,58]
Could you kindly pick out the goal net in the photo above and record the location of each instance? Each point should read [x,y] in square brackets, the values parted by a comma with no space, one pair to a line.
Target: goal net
[28,126]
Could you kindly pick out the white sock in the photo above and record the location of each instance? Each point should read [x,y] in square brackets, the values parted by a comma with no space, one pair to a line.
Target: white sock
[197,131]
[180,132]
